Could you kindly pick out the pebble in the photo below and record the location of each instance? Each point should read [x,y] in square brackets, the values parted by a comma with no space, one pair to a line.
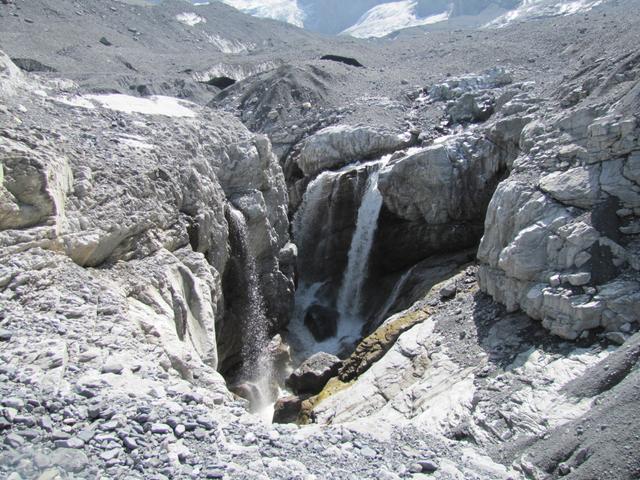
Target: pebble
[86,435]
[13,402]
[112,366]
[13,440]
[70,443]
[161,429]
[59,435]
[428,466]
[206,422]
[5,335]
[109,426]
[130,443]
[368,452]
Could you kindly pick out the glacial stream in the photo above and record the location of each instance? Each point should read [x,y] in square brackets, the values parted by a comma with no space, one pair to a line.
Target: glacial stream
[348,302]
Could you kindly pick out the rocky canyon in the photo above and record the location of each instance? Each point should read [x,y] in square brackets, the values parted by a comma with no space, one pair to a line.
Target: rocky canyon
[234,248]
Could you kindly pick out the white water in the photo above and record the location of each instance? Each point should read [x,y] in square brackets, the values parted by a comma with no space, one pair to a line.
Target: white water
[350,296]
[257,362]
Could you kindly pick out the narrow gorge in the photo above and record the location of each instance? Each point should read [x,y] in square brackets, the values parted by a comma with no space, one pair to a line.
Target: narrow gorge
[415,256]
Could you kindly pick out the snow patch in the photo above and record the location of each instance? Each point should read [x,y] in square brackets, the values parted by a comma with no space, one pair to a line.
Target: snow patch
[531,9]
[156,105]
[283,10]
[229,46]
[77,102]
[384,19]
[190,19]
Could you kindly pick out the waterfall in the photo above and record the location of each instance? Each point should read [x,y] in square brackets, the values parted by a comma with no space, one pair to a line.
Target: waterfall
[257,365]
[393,297]
[311,212]
[350,295]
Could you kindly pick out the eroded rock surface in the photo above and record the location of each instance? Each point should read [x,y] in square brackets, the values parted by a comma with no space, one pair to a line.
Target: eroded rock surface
[560,235]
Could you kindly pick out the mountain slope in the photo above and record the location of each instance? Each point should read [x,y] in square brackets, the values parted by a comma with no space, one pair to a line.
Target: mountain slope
[376,18]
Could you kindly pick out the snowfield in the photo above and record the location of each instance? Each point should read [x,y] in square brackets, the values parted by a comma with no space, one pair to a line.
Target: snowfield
[384,19]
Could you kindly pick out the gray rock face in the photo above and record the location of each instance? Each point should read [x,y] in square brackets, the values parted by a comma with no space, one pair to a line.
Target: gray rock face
[157,223]
[35,186]
[435,198]
[562,253]
[314,373]
[123,287]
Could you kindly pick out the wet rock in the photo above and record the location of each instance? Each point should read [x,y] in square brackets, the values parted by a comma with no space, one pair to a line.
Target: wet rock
[314,373]
[287,409]
[321,321]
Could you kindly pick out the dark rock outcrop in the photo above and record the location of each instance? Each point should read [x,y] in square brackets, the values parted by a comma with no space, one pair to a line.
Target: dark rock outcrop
[321,321]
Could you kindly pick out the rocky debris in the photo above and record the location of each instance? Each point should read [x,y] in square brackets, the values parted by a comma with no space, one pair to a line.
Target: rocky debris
[321,321]
[120,284]
[313,374]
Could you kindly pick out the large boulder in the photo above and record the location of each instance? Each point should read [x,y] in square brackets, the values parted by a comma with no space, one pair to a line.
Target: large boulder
[314,373]
[321,321]
[287,409]
[338,145]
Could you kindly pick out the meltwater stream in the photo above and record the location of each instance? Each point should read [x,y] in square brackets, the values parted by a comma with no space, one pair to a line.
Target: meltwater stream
[349,299]
[257,373]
